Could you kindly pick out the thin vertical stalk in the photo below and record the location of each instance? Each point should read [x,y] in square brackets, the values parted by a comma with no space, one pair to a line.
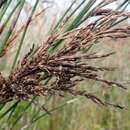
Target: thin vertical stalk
[74,23]
[8,18]
[2,2]
[23,36]
[5,9]
[123,3]
[21,114]
[51,110]
[9,109]
[76,9]
[12,26]
[61,19]
[80,15]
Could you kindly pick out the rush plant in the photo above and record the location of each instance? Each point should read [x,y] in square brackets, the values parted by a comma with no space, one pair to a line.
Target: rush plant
[63,61]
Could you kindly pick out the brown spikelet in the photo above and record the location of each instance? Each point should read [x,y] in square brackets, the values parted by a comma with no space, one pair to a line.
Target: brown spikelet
[67,63]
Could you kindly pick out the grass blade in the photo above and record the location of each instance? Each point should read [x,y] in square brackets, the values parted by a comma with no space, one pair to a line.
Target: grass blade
[23,36]
[127,2]
[80,15]
[76,9]
[2,3]
[123,3]
[11,27]
[44,114]
[12,111]
[7,20]
[2,106]
[61,19]
[5,9]
[22,113]
[74,23]
[53,109]
[9,109]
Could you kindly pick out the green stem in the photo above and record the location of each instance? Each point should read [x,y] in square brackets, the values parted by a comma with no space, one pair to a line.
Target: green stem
[61,19]
[10,15]
[23,36]
[11,28]
[5,9]
[73,24]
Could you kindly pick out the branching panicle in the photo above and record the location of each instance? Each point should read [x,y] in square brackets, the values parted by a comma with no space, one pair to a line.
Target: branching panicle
[65,64]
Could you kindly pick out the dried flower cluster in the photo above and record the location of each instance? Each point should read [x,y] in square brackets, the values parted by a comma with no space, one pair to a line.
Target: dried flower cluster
[68,66]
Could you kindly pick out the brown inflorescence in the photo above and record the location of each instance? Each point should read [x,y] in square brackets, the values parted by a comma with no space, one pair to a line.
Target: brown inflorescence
[65,64]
